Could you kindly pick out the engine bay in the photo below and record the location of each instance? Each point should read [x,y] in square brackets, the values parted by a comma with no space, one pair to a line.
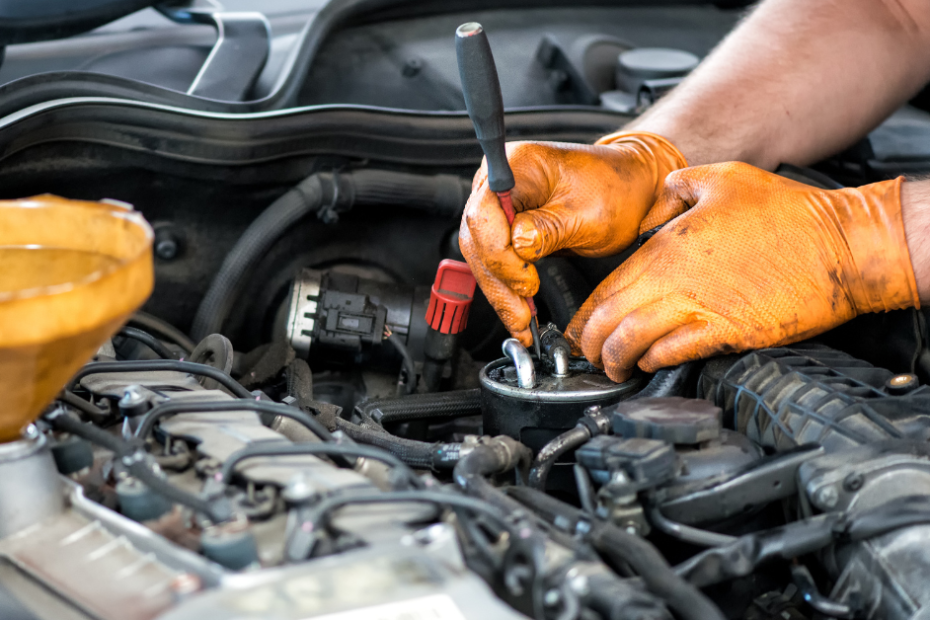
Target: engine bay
[317,414]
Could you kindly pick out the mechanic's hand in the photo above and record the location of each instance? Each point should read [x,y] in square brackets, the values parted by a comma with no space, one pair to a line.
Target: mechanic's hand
[592,200]
[756,261]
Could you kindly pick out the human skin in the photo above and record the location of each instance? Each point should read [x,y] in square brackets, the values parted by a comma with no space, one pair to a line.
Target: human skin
[796,81]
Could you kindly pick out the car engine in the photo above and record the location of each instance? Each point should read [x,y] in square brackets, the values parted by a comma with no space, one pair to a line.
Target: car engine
[318,415]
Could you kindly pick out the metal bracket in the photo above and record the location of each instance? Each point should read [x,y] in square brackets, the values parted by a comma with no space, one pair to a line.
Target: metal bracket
[243,43]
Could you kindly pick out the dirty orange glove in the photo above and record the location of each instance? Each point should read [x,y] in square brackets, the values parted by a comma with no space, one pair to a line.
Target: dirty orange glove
[587,199]
[756,261]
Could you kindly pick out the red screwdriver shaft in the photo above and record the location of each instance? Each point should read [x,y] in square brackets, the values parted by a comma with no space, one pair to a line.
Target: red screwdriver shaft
[507,206]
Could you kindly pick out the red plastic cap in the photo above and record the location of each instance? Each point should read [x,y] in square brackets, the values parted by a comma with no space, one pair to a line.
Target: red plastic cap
[451,297]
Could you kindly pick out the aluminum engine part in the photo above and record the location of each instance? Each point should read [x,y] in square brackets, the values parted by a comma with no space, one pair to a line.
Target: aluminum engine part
[113,568]
[105,564]
[30,491]
[405,580]
[883,577]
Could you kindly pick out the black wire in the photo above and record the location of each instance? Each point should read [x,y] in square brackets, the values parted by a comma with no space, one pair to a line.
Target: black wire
[134,459]
[616,545]
[156,365]
[368,452]
[408,362]
[585,489]
[687,533]
[164,329]
[91,410]
[331,504]
[258,406]
[148,340]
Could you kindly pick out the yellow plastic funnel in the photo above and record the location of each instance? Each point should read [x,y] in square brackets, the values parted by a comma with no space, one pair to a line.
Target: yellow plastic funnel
[71,273]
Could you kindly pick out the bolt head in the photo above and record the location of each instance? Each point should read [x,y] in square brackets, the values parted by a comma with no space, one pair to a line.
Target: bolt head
[166,249]
[828,496]
[412,67]
[853,482]
[31,432]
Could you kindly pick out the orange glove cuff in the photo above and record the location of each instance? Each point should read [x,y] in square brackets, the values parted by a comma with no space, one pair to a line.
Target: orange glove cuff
[667,157]
[879,272]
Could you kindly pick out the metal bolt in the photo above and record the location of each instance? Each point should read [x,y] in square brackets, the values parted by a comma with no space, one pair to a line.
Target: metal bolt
[901,384]
[853,482]
[298,490]
[552,598]
[412,67]
[579,584]
[132,396]
[31,432]
[166,249]
[167,242]
[828,496]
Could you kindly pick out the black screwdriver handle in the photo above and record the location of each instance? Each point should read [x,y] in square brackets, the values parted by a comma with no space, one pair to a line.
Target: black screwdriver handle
[483,100]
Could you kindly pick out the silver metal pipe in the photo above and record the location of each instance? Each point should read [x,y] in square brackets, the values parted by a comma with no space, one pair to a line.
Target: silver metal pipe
[560,359]
[30,491]
[526,371]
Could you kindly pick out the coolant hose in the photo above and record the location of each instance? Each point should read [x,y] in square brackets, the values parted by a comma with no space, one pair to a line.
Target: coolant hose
[550,453]
[306,197]
[594,422]
[441,194]
[495,455]
[418,454]
[445,405]
[667,382]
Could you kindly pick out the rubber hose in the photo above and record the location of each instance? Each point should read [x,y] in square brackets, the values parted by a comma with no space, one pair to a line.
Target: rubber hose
[164,329]
[147,423]
[319,449]
[306,197]
[148,340]
[217,511]
[419,454]
[442,194]
[445,405]
[499,455]
[667,382]
[299,379]
[685,599]
[92,411]
[550,453]
[157,365]
[562,289]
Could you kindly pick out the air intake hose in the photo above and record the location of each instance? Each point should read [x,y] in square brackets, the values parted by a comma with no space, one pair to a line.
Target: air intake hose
[440,194]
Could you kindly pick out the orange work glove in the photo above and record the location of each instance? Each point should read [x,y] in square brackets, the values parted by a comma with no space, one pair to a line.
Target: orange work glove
[587,199]
[756,261]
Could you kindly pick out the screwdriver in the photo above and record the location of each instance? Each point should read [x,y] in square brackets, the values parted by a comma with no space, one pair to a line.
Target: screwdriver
[485,106]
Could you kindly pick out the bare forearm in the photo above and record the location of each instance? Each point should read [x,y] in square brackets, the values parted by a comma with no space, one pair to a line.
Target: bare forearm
[797,81]
[915,211]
